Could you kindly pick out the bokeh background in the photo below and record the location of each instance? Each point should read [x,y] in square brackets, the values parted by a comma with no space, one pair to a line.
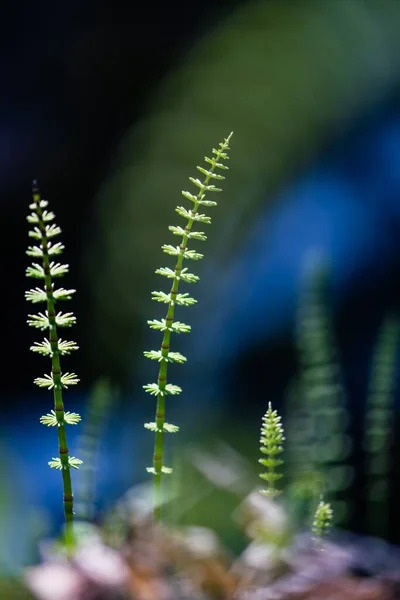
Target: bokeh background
[110,106]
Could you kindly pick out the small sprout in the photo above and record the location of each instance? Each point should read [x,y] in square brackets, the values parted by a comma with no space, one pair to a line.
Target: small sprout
[323,519]
[271,446]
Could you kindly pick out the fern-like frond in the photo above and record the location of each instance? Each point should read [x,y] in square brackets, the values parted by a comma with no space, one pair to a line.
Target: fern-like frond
[175,298]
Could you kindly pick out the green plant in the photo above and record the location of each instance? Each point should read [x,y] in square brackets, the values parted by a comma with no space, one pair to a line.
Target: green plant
[271,441]
[317,434]
[318,442]
[322,520]
[43,232]
[379,414]
[167,326]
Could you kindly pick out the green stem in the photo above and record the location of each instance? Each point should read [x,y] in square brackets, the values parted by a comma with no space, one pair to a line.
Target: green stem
[158,456]
[160,426]
[63,450]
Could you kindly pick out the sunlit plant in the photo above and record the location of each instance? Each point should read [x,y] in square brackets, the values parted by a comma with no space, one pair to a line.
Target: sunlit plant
[162,388]
[46,270]
[50,320]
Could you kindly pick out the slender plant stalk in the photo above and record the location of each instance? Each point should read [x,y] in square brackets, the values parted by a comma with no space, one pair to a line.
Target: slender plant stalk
[52,346]
[161,389]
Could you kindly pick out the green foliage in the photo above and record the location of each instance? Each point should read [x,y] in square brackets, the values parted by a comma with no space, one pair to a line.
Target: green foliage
[43,232]
[271,441]
[161,388]
[318,445]
[317,424]
[323,519]
[318,442]
[379,414]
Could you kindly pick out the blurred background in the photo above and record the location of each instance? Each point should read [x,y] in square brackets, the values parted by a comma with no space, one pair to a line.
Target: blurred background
[111,106]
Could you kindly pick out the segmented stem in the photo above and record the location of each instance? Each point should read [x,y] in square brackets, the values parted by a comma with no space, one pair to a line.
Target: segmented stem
[162,388]
[53,346]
